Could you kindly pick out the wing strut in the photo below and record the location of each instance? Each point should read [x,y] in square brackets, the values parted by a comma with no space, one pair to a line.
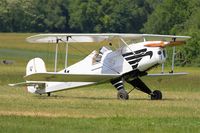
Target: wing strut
[173,59]
[126,44]
[66,56]
[56,56]
[56,52]
[163,66]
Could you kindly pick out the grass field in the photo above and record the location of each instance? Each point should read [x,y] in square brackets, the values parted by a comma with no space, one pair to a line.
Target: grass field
[92,109]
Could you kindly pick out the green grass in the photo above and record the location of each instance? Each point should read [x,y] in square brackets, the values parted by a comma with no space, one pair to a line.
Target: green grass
[95,108]
[112,124]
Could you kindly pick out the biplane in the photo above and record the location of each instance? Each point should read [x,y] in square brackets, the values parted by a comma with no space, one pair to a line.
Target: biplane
[128,63]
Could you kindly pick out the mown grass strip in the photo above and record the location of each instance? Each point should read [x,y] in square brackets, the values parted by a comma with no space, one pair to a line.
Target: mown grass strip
[21,124]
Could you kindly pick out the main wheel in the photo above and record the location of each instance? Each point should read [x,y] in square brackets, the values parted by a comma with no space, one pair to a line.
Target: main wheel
[48,94]
[122,94]
[157,95]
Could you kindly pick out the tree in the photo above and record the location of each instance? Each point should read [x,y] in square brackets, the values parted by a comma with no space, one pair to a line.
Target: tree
[178,17]
[108,15]
[168,17]
[3,14]
[34,16]
[49,16]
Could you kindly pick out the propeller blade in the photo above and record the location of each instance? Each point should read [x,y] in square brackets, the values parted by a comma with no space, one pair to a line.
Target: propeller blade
[176,43]
[165,44]
[160,44]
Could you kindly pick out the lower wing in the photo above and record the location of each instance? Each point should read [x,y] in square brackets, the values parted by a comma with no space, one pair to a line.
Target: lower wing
[66,77]
[166,74]
[163,76]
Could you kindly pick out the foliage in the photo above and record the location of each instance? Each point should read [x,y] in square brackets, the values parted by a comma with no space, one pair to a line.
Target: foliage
[178,17]
[73,15]
[108,16]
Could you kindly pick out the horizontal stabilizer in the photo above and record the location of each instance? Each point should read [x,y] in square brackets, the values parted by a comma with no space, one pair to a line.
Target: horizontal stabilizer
[26,84]
[66,77]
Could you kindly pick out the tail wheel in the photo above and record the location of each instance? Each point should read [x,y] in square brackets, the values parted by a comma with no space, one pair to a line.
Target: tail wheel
[122,94]
[156,95]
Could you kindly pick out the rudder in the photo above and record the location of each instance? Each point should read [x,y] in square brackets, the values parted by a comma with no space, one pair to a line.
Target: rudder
[35,65]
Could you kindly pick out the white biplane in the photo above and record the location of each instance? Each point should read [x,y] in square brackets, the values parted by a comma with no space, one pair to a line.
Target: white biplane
[127,63]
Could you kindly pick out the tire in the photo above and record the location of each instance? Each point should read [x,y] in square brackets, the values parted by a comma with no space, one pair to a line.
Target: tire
[122,95]
[48,94]
[157,95]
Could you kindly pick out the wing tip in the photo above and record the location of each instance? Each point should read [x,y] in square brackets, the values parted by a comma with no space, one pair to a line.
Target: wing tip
[11,85]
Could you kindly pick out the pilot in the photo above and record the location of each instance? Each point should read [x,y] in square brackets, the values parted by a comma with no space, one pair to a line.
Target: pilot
[101,52]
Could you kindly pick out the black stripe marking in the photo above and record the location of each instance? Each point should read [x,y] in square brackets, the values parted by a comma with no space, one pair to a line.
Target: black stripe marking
[136,52]
[130,58]
[119,84]
[150,53]
[142,55]
[120,88]
[134,66]
[127,54]
[134,61]
[140,51]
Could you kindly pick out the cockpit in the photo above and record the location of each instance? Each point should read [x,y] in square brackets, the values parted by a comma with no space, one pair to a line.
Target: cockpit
[98,55]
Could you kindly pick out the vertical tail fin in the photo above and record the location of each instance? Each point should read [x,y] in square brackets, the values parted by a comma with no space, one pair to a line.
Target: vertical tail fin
[35,65]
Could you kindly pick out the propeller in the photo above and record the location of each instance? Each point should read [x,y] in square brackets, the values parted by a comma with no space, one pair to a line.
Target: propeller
[163,44]
[156,44]
[176,43]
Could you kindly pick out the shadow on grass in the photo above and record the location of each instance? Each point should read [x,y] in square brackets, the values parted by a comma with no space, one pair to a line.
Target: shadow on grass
[102,98]
[72,97]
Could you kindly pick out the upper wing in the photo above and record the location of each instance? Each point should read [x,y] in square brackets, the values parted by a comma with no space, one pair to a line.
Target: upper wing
[165,37]
[65,77]
[71,38]
[59,38]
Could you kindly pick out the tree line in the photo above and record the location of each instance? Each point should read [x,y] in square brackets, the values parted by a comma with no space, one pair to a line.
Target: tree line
[179,17]
[74,15]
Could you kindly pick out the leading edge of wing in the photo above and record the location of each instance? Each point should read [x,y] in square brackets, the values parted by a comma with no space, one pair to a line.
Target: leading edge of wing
[66,77]
[167,36]
[78,37]
[83,38]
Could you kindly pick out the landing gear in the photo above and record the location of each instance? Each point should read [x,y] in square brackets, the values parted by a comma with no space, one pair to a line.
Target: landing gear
[140,85]
[122,95]
[119,85]
[136,83]
[156,95]
[48,94]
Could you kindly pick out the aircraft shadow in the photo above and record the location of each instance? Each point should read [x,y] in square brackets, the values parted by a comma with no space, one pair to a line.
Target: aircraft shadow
[72,97]
[101,98]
